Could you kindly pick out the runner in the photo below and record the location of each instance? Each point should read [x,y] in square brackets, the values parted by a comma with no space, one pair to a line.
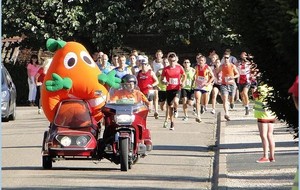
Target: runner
[174,77]
[203,84]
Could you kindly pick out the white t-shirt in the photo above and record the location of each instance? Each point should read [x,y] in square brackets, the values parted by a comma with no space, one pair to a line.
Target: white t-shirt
[157,66]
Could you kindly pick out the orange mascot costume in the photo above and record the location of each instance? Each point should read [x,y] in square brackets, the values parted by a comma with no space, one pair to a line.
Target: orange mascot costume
[74,75]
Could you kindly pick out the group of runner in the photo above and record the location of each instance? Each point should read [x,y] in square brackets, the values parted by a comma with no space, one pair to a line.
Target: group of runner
[166,81]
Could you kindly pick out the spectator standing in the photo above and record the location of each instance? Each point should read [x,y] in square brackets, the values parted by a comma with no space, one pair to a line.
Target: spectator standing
[32,69]
[265,123]
[147,81]
[294,91]
[39,79]
[228,86]
[203,84]
[174,77]
[187,92]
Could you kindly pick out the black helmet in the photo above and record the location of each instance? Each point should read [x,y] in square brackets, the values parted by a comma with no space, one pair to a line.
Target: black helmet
[128,78]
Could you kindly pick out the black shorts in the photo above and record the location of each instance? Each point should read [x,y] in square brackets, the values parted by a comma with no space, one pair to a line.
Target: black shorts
[218,86]
[171,94]
[162,96]
[189,94]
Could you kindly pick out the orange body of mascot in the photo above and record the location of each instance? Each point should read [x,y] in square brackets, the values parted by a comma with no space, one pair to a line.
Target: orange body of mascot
[72,75]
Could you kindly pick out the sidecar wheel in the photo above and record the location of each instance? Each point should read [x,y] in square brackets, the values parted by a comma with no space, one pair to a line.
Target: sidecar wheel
[124,154]
[47,162]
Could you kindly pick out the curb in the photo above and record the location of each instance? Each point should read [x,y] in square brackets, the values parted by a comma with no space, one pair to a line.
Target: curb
[215,177]
[219,168]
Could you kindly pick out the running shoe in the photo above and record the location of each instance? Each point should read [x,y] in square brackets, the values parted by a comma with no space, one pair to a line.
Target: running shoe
[165,124]
[185,118]
[231,106]
[227,117]
[172,126]
[175,113]
[246,110]
[156,116]
[213,111]
[202,109]
[39,111]
[198,120]
[263,160]
[194,111]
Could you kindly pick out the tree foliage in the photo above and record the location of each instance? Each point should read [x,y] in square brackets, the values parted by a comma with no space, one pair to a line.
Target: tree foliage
[106,23]
[269,30]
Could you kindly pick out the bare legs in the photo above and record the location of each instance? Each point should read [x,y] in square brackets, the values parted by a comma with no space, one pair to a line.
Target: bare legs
[266,135]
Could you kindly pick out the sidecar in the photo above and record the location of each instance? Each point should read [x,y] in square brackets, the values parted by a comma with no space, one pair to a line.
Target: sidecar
[73,135]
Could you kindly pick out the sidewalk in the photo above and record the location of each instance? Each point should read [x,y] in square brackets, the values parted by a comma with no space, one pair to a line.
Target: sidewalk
[239,148]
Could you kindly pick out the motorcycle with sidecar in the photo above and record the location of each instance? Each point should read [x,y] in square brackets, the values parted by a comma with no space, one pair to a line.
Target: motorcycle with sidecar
[75,135]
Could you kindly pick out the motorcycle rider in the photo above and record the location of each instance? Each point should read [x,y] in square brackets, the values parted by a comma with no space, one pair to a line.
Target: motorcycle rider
[129,90]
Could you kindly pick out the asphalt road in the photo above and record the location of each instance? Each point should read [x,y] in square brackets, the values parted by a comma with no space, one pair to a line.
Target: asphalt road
[181,159]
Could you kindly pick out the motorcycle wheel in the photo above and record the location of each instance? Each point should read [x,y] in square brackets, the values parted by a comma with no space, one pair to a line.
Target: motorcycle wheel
[124,153]
[47,162]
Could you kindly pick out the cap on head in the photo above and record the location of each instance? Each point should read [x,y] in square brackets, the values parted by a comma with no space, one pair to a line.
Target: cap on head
[171,55]
[140,57]
[144,60]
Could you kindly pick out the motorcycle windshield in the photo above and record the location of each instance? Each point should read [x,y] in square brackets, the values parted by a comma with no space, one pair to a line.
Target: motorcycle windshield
[124,96]
[73,114]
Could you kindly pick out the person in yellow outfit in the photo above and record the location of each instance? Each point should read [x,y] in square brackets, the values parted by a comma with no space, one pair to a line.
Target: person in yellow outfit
[265,122]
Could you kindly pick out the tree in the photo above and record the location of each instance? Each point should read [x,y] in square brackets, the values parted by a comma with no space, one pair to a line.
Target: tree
[268,30]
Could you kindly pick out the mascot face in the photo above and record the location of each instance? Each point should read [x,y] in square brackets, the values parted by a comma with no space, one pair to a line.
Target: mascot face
[73,61]
[72,75]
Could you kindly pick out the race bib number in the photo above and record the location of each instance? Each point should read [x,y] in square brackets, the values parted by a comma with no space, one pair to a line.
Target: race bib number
[173,81]
[243,72]
[200,78]
[188,82]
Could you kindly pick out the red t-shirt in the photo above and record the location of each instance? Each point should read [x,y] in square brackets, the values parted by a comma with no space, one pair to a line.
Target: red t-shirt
[144,79]
[173,76]
[42,75]
[294,88]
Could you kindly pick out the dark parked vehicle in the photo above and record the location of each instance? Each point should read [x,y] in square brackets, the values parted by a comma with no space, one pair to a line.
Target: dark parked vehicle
[9,96]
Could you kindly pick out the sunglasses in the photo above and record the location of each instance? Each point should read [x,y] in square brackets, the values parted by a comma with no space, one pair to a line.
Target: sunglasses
[186,62]
[226,57]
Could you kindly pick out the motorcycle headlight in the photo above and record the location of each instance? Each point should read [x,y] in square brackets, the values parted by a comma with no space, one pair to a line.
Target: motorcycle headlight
[121,119]
[81,141]
[66,141]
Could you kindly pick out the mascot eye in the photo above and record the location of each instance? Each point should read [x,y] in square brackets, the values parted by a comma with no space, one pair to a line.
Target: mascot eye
[70,60]
[87,59]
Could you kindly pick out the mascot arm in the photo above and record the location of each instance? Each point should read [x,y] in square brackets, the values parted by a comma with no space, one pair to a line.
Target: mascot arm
[58,83]
[110,79]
